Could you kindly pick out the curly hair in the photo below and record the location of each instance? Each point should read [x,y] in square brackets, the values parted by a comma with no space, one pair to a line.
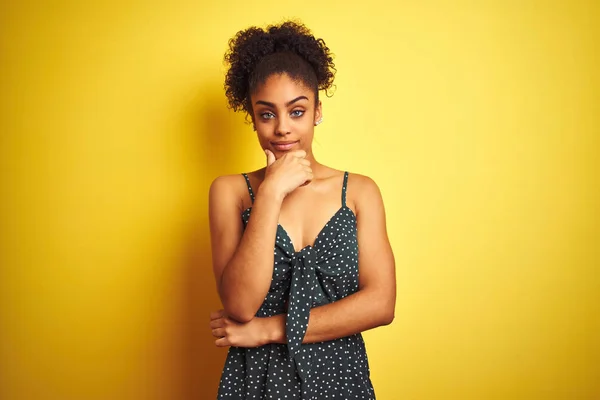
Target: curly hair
[255,54]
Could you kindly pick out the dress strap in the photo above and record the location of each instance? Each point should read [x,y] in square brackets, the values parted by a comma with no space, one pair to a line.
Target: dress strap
[344,186]
[250,191]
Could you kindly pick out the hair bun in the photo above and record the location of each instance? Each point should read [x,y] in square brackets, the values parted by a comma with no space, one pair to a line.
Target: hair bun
[250,46]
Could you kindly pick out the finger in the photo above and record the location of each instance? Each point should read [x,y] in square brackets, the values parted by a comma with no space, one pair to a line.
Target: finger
[222,342]
[218,333]
[299,153]
[217,314]
[217,323]
[307,181]
[304,161]
[270,157]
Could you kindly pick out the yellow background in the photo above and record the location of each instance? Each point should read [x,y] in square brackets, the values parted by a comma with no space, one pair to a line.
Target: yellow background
[478,121]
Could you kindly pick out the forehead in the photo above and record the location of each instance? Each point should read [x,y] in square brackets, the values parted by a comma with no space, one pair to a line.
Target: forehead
[280,88]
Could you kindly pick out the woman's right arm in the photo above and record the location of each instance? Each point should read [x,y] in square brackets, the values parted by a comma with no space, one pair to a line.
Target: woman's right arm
[243,259]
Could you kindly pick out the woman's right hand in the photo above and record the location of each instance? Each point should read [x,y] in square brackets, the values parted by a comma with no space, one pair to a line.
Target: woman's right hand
[288,173]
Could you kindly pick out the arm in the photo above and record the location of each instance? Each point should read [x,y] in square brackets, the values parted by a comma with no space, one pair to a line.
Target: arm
[242,260]
[372,306]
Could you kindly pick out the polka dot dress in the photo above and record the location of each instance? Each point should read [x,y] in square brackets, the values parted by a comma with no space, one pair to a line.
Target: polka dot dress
[314,276]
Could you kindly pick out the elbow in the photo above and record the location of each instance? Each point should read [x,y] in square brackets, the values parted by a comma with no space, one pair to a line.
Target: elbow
[241,317]
[381,310]
[239,314]
[387,317]
[237,309]
[387,313]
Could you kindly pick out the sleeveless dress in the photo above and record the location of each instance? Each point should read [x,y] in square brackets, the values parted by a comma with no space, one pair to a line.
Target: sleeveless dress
[316,275]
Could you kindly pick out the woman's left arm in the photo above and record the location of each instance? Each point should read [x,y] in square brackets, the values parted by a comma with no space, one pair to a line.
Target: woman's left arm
[371,306]
[374,302]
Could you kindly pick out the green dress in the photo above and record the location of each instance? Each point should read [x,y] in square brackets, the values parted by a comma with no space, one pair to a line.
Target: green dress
[314,276]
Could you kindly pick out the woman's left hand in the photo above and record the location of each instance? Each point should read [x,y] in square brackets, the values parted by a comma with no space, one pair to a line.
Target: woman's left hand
[232,333]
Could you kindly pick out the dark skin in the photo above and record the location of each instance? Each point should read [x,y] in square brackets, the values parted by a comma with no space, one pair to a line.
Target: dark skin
[301,194]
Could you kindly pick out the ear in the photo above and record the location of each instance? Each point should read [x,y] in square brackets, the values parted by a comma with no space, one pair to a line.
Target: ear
[318,112]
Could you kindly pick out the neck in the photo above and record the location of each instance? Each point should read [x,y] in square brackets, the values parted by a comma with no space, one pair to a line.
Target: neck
[311,157]
[318,169]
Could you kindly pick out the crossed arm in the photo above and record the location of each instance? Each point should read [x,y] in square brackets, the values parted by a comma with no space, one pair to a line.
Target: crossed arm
[242,288]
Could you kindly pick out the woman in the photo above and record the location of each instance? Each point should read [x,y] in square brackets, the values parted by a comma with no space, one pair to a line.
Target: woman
[293,314]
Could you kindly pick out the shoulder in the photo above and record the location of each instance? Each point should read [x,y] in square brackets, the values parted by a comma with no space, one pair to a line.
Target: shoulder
[361,186]
[363,192]
[227,189]
[226,183]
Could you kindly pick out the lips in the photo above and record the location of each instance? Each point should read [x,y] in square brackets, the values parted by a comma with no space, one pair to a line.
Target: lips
[283,145]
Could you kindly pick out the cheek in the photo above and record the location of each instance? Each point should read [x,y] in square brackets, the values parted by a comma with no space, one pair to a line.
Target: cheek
[306,128]
[262,135]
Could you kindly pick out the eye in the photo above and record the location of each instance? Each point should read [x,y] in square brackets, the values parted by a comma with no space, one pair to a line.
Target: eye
[267,115]
[297,113]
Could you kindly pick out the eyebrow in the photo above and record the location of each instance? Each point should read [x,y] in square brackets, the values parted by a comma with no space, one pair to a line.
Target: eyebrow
[289,103]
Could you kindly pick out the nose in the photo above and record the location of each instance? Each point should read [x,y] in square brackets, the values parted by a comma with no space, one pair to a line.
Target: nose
[283,126]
